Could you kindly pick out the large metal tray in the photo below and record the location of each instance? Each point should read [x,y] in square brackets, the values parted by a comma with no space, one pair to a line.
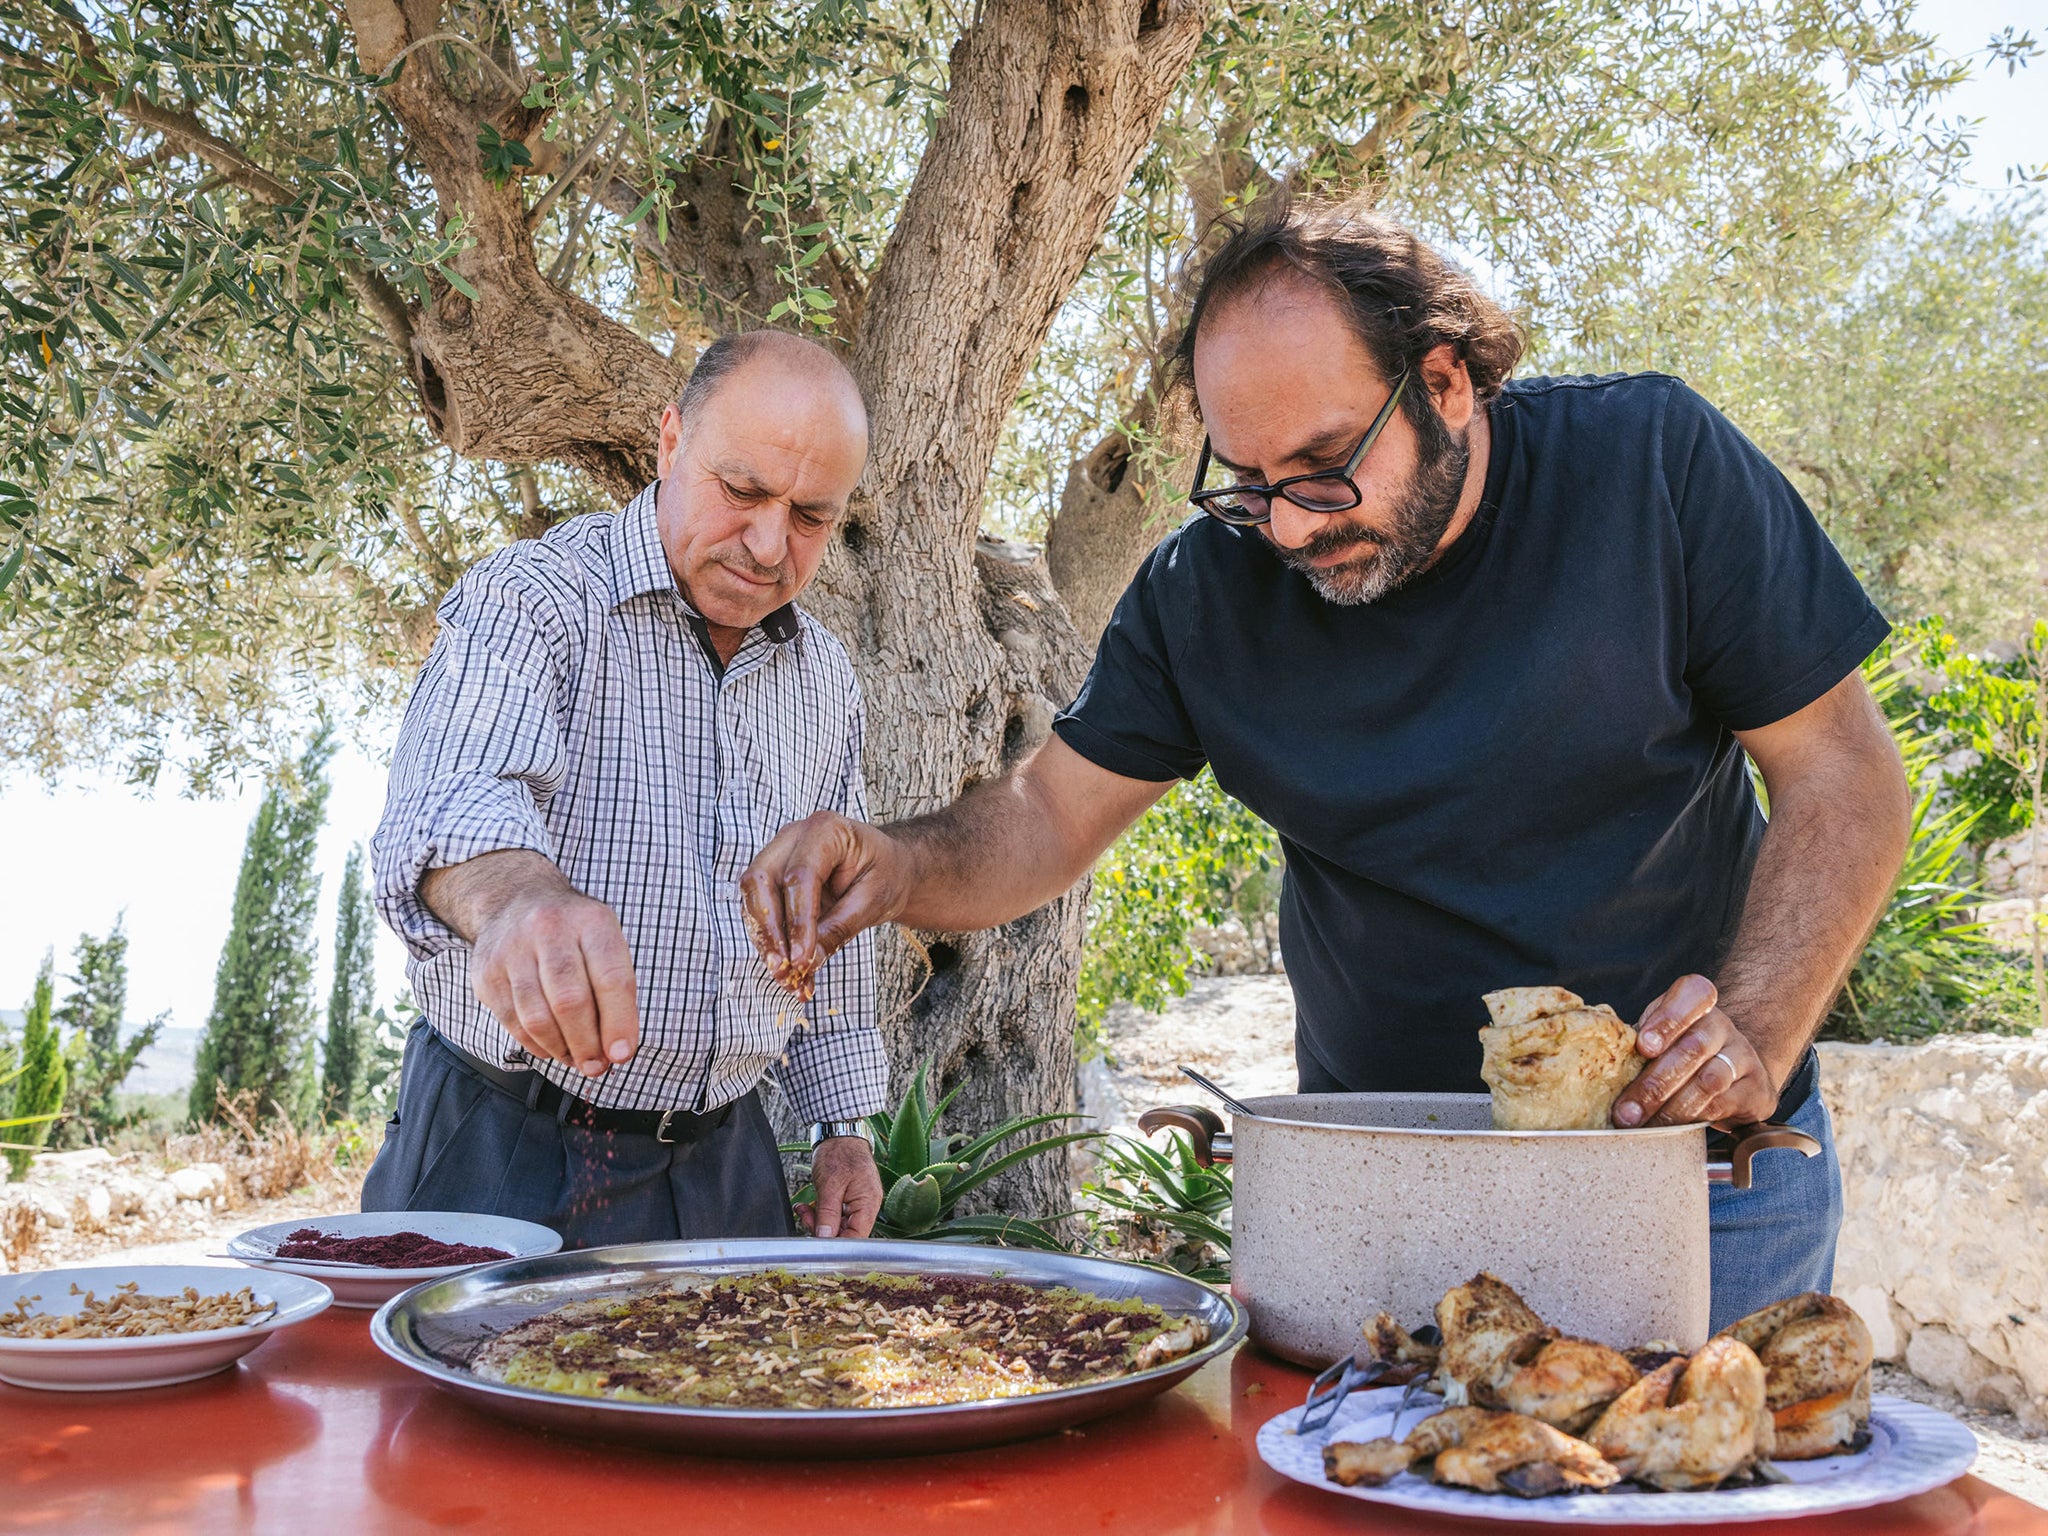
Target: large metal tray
[435,1328]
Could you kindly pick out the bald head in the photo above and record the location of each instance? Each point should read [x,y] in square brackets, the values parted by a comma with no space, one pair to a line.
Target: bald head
[776,353]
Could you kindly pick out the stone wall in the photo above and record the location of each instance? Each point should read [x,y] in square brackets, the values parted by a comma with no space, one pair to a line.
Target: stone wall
[1944,1248]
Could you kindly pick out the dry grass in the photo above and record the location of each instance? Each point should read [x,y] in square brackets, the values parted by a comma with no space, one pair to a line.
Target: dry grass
[271,1164]
[21,1232]
[267,1159]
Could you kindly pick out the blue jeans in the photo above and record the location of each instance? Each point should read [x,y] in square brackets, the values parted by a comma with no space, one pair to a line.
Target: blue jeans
[1777,1238]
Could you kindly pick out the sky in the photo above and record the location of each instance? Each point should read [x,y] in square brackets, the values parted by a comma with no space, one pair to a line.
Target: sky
[79,856]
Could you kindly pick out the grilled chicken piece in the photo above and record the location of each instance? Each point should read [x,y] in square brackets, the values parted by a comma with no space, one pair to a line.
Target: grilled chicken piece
[1488,1333]
[1690,1424]
[1498,1354]
[1371,1462]
[1446,1428]
[1568,1383]
[1475,1448]
[1374,1462]
[1513,1453]
[1816,1354]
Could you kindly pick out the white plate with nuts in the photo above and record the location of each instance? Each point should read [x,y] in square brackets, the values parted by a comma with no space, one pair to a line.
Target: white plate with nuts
[110,1327]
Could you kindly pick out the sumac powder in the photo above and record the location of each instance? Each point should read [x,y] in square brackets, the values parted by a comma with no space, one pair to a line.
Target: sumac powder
[387,1250]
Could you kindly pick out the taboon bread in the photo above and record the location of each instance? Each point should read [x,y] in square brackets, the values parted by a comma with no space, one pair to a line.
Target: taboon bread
[1553,1063]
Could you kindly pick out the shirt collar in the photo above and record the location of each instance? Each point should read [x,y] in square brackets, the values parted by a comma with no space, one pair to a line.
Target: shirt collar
[640,565]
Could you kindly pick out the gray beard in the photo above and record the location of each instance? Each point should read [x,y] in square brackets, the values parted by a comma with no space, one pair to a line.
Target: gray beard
[1427,506]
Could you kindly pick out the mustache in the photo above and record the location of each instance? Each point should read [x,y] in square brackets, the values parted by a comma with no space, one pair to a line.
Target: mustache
[1331,541]
[736,557]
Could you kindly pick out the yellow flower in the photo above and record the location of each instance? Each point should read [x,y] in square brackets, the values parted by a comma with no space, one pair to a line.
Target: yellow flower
[773,144]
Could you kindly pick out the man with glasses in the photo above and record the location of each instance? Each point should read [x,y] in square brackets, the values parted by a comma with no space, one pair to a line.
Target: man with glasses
[1489,656]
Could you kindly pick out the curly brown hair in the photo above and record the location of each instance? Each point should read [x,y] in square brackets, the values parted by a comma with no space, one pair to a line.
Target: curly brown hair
[1402,297]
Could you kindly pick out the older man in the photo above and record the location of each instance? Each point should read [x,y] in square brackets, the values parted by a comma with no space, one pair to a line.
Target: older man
[1489,656]
[613,721]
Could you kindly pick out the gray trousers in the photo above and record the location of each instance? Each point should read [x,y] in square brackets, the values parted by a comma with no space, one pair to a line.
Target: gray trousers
[459,1142]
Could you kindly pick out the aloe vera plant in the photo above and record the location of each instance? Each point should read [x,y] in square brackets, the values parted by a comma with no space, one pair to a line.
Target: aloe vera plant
[1171,1190]
[926,1170]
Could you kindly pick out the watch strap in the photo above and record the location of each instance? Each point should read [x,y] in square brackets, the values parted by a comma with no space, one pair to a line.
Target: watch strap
[826,1130]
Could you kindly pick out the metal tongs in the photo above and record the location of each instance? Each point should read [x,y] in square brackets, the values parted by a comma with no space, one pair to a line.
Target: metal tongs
[1365,1367]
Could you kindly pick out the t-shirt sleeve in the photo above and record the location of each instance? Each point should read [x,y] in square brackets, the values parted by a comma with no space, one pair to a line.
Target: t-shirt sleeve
[1774,616]
[1129,716]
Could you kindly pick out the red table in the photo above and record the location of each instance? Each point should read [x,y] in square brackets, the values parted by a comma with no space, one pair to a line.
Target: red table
[316,1431]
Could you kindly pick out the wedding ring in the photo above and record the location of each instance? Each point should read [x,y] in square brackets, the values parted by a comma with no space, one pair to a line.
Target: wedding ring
[1733,1071]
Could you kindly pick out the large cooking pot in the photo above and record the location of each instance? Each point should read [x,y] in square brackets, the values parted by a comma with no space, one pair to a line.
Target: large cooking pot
[1348,1204]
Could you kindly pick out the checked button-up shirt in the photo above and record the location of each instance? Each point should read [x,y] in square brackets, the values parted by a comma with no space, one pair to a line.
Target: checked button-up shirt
[572,705]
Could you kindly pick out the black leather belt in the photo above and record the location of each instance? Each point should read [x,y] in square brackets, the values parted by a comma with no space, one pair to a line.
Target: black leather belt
[667,1126]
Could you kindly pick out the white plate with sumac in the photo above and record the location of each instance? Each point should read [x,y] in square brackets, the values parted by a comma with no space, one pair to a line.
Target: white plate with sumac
[368,1285]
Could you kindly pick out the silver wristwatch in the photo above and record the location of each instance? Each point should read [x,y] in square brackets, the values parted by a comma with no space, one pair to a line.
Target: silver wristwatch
[825,1130]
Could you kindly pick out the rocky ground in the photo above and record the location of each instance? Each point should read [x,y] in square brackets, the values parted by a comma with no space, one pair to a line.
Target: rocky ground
[92,1207]
[1237,1031]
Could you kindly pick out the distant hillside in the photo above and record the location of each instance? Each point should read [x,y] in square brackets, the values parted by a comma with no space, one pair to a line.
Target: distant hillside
[165,1067]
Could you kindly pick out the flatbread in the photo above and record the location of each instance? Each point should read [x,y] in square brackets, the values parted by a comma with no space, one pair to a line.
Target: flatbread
[779,1340]
[1518,1005]
[1558,1070]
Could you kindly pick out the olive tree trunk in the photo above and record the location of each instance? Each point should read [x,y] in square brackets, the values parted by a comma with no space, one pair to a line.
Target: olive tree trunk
[962,646]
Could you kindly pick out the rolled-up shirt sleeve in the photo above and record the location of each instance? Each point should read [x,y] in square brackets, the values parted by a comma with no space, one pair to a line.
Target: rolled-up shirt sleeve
[835,1066]
[480,751]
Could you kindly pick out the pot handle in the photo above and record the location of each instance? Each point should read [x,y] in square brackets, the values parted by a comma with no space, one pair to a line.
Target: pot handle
[1747,1141]
[1204,1128]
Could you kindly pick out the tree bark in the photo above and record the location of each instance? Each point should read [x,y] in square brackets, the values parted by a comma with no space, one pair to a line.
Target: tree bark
[1112,511]
[963,652]
[962,646]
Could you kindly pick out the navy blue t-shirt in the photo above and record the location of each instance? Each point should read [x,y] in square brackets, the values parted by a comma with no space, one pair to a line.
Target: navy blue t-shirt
[1518,767]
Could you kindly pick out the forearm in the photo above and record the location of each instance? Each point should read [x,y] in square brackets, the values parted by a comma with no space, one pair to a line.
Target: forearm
[993,855]
[1010,846]
[1002,850]
[467,896]
[1829,858]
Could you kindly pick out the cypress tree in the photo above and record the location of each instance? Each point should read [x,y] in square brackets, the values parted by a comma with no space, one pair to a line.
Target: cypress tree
[259,1035]
[94,1013]
[348,1004]
[38,1077]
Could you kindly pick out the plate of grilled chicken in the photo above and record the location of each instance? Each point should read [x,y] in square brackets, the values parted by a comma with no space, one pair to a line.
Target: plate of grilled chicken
[1489,1412]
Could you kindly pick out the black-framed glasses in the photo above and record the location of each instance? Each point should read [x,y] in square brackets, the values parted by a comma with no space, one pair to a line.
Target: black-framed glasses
[1322,490]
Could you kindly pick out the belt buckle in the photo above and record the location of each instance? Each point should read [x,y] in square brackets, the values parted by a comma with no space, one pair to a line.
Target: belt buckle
[661,1131]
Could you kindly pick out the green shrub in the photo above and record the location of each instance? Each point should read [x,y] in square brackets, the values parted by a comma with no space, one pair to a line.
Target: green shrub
[97,1058]
[1930,967]
[1164,1208]
[1198,856]
[1992,710]
[35,1079]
